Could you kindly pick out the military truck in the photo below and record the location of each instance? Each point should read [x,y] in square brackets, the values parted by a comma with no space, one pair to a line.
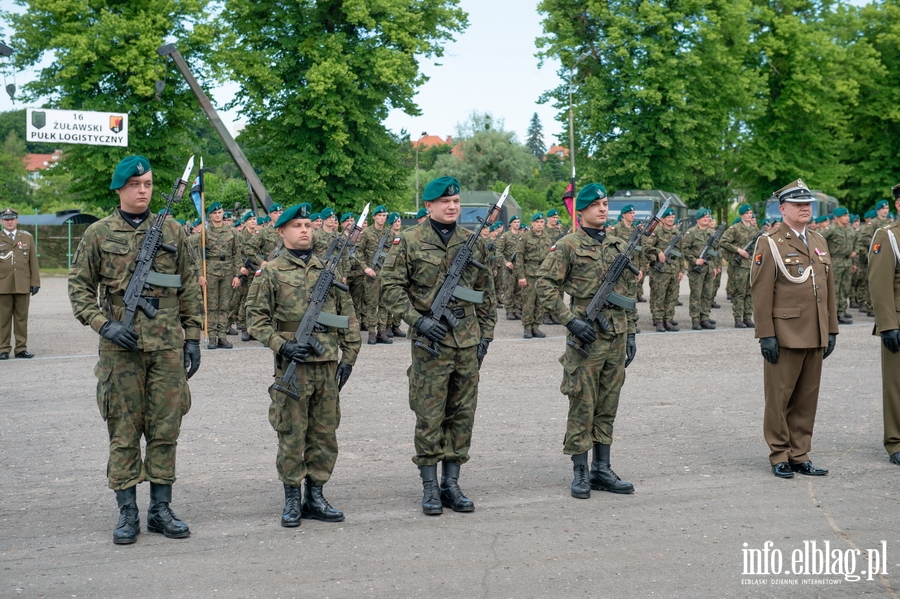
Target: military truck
[475,205]
[646,202]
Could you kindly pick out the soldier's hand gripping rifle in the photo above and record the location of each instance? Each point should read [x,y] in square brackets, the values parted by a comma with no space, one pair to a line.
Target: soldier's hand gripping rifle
[441,307]
[380,254]
[605,293]
[314,316]
[670,249]
[708,248]
[142,277]
[738,259]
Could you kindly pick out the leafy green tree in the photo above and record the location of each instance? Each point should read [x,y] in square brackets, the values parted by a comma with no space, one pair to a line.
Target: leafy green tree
[485,158]
[535,140]
[14,120]
[316,81]
[105,59]
[13,177]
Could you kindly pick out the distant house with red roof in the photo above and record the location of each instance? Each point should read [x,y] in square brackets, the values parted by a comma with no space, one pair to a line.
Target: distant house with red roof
[429,141]
[35,163]
[561,151]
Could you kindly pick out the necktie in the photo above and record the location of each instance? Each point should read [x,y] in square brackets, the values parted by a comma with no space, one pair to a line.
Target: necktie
[803,238]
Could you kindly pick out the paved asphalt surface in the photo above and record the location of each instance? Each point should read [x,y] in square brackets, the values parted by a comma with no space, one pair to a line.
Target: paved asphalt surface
[688,435]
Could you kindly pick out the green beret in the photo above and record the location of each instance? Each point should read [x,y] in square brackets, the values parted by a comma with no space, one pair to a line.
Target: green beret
[854,218]
[275,208]
[736,221]
[821,219]
[248,215]
[180,221]
[589,193]
[668,212]
[196,223]
[161,210]
[870,214]
[422,212]
[701,213]
[626,209]
[315,216]
[213,207]
[227,215]
[327,213]
[261,220]
[496,226]
[552,212]
[744,208]
[537,216]
[512,218]
[303,210]
[393,217]
[840,211]
[130,166]
[346,216]
[379,209]
[440,187]
[881,204]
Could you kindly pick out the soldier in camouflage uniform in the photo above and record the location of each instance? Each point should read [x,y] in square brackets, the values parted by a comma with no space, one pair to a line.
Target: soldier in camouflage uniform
[623,230]
[392,329]
[733,241]
[701,283]
[443,389]
[841,240]
[306,427]
[248,270]
[863,238]
[497,264]
[531,249]
[371,238]
[267,238]
[354,274]
[592,383]
[142,372]
[664,281]
[223,269]
[512,293]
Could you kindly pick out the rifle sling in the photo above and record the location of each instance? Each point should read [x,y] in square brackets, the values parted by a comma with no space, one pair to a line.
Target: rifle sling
[468,295]
[614,301]
[325,319]
[156,279]
[159,303]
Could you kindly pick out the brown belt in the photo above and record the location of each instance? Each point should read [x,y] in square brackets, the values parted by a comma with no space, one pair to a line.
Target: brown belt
[157,302]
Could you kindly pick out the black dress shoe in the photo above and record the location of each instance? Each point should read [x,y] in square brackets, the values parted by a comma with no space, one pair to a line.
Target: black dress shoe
[4,356]
[24,354]
[895,458]
[782,470]
[808,469]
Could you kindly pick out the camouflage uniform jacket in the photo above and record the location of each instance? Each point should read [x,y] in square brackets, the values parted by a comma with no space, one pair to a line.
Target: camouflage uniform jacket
[248,241]
[105,259]
[841,241]
[623,231]
[368,243]
[281,295]
[692,244]
[223,251]
[531,250]
[657,242]
[264,243]
[507,245]
[414,271]
[735,238]
[577,265]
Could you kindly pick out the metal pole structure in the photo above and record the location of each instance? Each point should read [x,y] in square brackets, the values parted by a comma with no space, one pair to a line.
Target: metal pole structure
[37,247]
[417,168]
[236,153]
[69,255]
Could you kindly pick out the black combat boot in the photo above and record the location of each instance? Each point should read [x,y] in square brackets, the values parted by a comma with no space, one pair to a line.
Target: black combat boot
[670,325]
[739,323]
[554,319]
[749,322]
[224,343]
[431,499]
[527,334]
[372,338]
[695,325]
[707,324]
[546,320]
[451,495]
[290,517]
[231,330]
[398,332]
[660,327]
[161,518]
[245,336]
[129,526]
[316,507]
[381,337]
[537,333]
[212,344]
[389,332]
[580,487]
[602,476]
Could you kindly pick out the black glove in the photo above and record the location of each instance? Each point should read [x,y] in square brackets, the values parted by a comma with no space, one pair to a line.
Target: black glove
[294,351]
[891,340]
[34,289]
[630,349]
[191,356]
[481,352]
[582,329]
[769,348]
[342,374]
[430,328]
[117,333]
[832,338]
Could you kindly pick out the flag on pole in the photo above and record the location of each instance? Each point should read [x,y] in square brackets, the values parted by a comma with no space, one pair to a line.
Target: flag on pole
[196,190]
[569,200]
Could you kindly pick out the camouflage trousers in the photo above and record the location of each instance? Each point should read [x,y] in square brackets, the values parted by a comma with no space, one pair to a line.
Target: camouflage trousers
[841,268]
[357,294]
[375,315]
[218,304]
[307,428]
[593,385]
[514,296]
[663,294]
[142,394]
[741,301]
[862,289]
[499,282]
[701,292]
[532,311]
[239,304]
[443,392]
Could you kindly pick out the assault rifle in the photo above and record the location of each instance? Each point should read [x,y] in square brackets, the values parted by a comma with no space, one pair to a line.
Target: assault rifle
[708,248]
[605,293]
[379,251]
[314,317]
[738,259]
[450,291]
[670,249]
[142,278]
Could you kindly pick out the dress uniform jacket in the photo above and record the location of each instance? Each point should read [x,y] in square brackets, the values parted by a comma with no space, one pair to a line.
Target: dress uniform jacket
[18,263]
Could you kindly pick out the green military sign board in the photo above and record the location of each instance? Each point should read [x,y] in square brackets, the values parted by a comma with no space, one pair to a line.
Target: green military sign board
[77,127]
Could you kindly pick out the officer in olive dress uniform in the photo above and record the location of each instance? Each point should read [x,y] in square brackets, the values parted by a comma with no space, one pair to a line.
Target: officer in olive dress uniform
[577,264]
[792,283]
[20,278]
[142,372]
[443,388]
[884,288]
[306,425]
[531,249]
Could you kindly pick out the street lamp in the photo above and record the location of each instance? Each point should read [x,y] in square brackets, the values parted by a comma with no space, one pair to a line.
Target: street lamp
[5,50]
[572,118]
[424,133]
